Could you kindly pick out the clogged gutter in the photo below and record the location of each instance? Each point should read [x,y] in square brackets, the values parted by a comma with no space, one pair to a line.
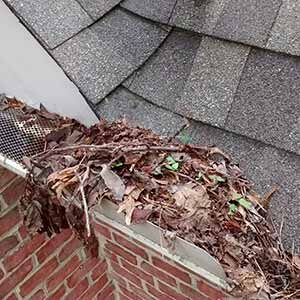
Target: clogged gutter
[194,192]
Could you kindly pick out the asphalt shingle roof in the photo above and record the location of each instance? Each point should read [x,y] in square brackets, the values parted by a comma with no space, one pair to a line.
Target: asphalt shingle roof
[232,67]
[53,21]
[97,9]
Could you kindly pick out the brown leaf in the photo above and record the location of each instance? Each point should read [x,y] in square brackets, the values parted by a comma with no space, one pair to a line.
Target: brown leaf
[132,158]
[190,196]
[113,182]
[296,260]
[128,205]
[140,215]
[27,162]
[55,136]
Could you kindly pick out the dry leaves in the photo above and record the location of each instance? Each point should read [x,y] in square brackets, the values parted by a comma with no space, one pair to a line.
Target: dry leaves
[195,192]
[113,182]
[190,196]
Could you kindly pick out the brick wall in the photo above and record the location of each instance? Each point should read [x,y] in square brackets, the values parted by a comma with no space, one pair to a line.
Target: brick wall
[141,273]
[39,267]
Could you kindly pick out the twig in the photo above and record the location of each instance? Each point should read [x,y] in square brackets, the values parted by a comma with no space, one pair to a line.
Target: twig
[126,148]
[85,206]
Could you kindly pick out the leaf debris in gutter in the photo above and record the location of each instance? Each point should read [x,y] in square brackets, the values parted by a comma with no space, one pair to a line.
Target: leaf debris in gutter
[194,192]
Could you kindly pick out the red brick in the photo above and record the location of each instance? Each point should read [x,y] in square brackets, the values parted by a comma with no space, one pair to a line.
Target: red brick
[9,220]
[12,297]
[157,294]
[58,294]
[171,292]
[95,288]
[106,292]
[15,190]
[99,270]
[175,271]
[78,290]
[130,246]
[109,297]
[129,295]
[53,244]
[158,273]
[39,295]
[7,244]
[16,277]
[110,255]
[69,248]
[85,268]
[23,232]
[38,277]
[5,177]
[191,293]
[121,252]
[65,271]
[210,291]
[123,297]
[140,292]
[102,229]
[124,273]
[120,280]
[138,272]
[23,252]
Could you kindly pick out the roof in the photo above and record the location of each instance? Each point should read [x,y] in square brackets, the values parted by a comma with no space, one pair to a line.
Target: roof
[232,68]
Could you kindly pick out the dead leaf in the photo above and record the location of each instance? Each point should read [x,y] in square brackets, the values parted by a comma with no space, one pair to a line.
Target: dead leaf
[27,162]
[190,196]
[113,182]
[140,215]
[128,205]
[296,260]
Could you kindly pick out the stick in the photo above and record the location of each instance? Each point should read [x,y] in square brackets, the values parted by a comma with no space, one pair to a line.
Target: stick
[112,147]
[85,206]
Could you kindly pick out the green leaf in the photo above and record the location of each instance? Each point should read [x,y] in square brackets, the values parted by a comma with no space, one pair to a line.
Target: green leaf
[245,203]
[117,164]
[173,167]
[172,164]
[216,178]
[232,209]
[184,138]
[199,176]
[170,160]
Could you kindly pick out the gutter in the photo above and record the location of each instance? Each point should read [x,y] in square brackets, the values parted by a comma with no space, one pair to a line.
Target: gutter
[12,165]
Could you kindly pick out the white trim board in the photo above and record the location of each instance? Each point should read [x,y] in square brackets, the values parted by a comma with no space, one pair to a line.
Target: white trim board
[30,74]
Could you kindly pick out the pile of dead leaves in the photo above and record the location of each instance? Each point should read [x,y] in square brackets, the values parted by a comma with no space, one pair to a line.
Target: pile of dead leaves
[194,192]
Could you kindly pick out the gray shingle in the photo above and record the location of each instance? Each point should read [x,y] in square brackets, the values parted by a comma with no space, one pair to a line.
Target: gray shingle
[97,8]
[132,37]
[200,17]
[123,103]
[157,10]
[247,21]
[162,78]
[94,67]
[102,56]
[266,167]
[267,106]
[285,34]
[214,78]
[53,20]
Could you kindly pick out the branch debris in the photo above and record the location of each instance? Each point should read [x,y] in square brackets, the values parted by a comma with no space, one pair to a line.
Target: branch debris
[193,192]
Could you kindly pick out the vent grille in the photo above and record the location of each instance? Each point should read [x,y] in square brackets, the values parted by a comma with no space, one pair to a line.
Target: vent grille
[21,135]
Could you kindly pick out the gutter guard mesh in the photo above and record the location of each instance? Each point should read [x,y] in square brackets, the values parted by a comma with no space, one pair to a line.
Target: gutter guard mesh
[21,137]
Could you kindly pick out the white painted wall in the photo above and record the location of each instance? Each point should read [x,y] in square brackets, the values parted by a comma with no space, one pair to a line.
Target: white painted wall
[30,74]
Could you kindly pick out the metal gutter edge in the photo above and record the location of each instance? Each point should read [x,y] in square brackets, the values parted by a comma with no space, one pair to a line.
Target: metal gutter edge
[190,256]
[12,165]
